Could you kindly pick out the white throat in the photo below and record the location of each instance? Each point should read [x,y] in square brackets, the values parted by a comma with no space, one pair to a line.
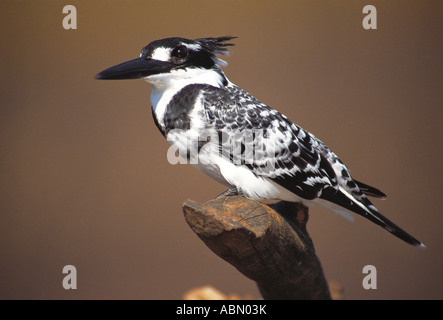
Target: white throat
[165,86]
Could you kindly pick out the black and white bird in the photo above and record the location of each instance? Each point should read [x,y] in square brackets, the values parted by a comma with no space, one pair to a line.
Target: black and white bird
[278,160]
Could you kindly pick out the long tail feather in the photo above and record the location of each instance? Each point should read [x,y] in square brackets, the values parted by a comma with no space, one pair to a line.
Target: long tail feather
[367,210]
[370,191]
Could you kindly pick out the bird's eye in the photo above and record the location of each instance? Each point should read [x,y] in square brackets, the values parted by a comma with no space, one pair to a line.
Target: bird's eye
[179,54]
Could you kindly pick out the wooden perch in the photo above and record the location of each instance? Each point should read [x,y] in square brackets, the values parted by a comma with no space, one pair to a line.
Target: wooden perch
[273,249]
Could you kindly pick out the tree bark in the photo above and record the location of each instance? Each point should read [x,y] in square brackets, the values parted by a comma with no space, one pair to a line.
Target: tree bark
[267,243]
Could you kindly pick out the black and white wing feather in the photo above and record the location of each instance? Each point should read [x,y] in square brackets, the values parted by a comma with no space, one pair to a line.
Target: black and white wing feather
[284,152]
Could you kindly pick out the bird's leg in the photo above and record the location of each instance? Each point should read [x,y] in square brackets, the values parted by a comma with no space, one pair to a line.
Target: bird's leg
[230,192]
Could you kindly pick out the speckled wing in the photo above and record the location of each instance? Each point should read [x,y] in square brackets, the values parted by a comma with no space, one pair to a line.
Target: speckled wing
[282,151]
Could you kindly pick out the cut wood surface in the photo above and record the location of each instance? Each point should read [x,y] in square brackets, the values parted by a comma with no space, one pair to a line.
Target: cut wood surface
[267,243]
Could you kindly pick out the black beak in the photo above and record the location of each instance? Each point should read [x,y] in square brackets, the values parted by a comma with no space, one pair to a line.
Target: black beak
[135,69]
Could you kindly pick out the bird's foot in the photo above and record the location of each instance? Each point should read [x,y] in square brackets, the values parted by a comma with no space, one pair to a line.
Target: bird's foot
[230,192]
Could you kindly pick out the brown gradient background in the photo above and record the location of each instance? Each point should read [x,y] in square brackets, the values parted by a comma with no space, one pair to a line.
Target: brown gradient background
[84,174]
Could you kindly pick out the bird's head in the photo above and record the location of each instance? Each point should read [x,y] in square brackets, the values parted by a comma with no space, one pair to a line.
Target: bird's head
[164,62]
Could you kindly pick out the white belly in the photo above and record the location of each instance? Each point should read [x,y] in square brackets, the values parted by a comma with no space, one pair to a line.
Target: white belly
[224,171]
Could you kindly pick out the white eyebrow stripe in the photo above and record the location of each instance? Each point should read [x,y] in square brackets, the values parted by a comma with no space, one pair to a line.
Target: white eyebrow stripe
[194,47]
[162,54]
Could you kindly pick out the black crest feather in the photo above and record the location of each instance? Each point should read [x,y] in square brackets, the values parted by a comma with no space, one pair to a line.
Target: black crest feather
[216,46]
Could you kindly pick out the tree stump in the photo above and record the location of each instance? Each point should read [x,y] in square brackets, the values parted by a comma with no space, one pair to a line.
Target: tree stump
[267,243]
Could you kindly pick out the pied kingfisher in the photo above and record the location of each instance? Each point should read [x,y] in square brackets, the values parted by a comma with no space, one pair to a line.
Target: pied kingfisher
[192,96]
